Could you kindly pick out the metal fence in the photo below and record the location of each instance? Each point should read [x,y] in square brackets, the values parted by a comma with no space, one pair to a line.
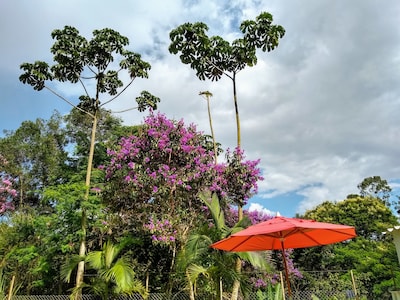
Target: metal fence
[298,295]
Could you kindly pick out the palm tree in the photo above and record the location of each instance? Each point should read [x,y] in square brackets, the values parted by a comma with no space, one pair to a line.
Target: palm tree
[115,274]
[198,262]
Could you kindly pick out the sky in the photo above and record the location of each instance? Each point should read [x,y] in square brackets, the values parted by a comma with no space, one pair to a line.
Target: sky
[320,111]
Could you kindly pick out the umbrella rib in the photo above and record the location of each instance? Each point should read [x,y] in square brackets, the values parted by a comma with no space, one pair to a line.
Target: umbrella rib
[239,244]
[331,230]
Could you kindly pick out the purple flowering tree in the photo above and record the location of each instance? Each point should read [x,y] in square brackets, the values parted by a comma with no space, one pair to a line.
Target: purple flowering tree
[154,179]
[161,169]
[7,193]
[241,177]
[165,166]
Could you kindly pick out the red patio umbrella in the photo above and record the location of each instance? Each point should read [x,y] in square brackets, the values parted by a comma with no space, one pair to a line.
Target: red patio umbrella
[282,233]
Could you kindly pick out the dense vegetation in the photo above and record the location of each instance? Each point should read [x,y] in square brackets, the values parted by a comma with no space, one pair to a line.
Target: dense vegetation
[135,208]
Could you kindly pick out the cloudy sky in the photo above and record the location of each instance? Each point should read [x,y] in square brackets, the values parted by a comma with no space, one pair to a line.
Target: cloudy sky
[320,111]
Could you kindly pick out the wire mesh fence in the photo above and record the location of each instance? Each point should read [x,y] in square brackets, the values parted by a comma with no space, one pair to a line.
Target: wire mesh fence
[305,295]
[327,285]
[298,295]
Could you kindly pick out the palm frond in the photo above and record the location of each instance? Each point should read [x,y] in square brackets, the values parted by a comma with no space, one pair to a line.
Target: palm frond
[77,290]
[196,246]
[95,260]
[217,214]
[69,266]
[121,274]
[194,271]
[110,253]
[242,224]
[256,259]
[198,243]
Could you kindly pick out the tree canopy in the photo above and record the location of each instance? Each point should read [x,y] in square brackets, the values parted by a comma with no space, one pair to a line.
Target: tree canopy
[371,254]
[81,61]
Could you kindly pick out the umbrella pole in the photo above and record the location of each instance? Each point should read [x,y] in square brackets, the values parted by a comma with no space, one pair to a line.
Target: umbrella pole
[286,271]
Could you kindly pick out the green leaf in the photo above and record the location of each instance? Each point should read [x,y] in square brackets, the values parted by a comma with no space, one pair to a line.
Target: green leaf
[215,209]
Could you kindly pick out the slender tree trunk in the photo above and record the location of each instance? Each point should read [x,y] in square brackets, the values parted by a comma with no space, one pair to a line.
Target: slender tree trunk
[238,266]
[82,247]
[236,111]
[208,95]
[171,268]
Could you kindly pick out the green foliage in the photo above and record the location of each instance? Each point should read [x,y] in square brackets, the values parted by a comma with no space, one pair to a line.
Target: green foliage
[66,202]
[273,292]
[74,56]
[36,157]
[206,268]
[35,74]
[146,100]
[31,250]
[115,273]
[35,242]
[371,255]
[358,212]
[79,126]
[216,212]
[212,56]
[375,187]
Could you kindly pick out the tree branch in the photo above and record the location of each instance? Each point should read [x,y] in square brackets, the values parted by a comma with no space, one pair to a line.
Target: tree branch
[125,110]
[84,87]
[69,102]
[116,96]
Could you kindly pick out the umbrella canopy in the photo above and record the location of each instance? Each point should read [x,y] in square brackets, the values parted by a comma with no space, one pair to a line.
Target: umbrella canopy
[282,233]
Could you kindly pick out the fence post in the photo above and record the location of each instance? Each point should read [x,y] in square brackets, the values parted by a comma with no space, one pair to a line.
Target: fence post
[354,284]
[283,286]
[10,291]
[220,288]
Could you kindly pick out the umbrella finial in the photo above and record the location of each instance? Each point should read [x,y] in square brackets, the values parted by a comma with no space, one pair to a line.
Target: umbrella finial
[278,214]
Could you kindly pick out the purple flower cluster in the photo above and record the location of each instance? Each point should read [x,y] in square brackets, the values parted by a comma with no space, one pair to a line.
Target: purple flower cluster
[242,176]
[255,216]
[162,231]
[259,283]
[7,193]
[166,153]
[263,280]
[168,156]
[290,265]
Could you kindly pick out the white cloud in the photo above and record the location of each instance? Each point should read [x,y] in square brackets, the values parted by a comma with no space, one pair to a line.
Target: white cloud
[320,110]
[258,207]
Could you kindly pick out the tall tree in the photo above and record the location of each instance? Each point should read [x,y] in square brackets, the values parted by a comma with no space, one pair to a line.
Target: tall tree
[207,95]
[79,126]
[36,157]
[89,63]
[375,186]
[356,212]
[213,57]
